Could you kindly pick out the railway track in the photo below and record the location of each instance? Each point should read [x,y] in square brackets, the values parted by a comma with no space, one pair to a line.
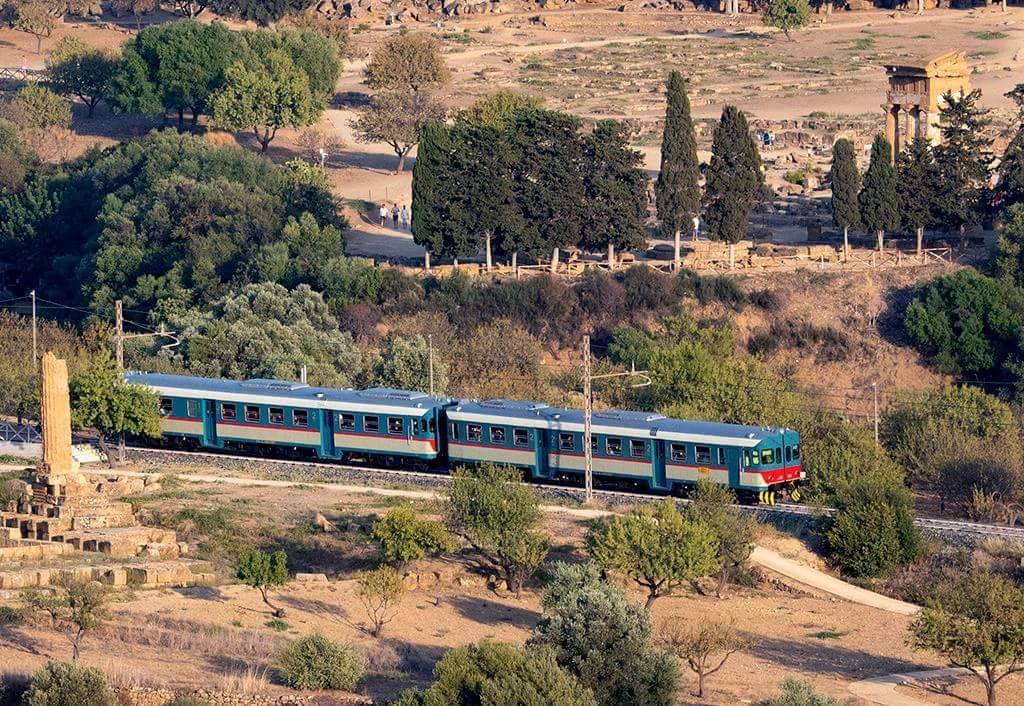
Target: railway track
[370,475]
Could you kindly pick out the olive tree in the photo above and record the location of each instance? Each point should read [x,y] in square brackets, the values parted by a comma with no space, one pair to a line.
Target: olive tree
[263,571]
[380,592]
[704,646]
[75,606]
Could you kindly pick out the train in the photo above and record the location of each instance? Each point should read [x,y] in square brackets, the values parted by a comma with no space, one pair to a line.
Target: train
[409,429]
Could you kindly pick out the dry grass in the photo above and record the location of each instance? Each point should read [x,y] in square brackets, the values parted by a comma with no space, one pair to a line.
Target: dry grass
[253,681]
[190,636]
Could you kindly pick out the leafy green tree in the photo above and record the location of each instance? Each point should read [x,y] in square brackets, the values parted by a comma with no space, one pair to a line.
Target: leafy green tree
[963,157]
[76,69]
[266,330]
[433,211]
[404,537]
[704,647]
[978,624]
[967,323]
[496,109]
[1010,182]
[879,199]
[398,119]
[174,67]
[491,508]
[264,97]
[615,189]
[715,505]
[499,674]
[493,359]
[1008,256]
[915,427]
[873,529]
[17,158]
[35,17]
[918,188]
[845,179]
[404,363]
[263,571]
[262,12]
[787,15]
[318,662]
[677,192]
[408,62]
[39,108]
[313,53]
[75,606]
[380,592]
[63,684]
[100,400]
[657,547]
[735,180]
[604,639]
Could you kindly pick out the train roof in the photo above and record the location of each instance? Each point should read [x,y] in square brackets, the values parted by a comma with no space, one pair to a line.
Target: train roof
[287,392]
[612,421]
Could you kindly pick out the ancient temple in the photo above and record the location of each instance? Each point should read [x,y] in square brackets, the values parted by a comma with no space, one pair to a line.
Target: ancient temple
[915,96]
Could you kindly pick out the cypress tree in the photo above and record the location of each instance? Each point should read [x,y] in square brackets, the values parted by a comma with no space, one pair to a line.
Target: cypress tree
[431,193]
[677,192]
[845,180]
[963,159]
[735,181]
[918,187]
[616,189]
[879,201]
[1011,167]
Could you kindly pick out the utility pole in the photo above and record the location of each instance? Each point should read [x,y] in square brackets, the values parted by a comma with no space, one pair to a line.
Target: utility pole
[430,360]
[874,392]
[119,335]
[588,410]
[35,335]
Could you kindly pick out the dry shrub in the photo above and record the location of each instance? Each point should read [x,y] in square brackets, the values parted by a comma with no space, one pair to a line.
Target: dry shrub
[252,681]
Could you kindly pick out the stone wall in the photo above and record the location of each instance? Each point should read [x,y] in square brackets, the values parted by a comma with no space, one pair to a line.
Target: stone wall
[145,696]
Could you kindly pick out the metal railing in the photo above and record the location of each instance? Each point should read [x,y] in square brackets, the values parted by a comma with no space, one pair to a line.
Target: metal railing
[15,433]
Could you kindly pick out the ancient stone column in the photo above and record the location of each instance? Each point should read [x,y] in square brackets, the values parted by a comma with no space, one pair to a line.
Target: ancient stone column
[891,126]
[55,403]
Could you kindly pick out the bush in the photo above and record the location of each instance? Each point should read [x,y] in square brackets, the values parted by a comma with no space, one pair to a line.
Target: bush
[873,529]
[601,296]
[63,684]
[797,692]
[10,616]
[404,537]
[720,288]
[647,289]
[317,662]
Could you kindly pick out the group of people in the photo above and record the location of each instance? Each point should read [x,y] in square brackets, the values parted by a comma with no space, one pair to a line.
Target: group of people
[397,215]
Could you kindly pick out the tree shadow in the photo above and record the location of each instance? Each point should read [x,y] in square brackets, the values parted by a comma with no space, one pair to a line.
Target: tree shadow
[200,593]
[488,612]
[105,123]
[320,609]
[943,686]
[819,659]
[17,639]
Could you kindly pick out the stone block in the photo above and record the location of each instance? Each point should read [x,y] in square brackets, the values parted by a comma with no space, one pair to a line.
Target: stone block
[311,578]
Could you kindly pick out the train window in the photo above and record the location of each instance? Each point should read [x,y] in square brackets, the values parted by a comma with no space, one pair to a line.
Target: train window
[767,456]
[228,411]
[789,453]
[497,435]
[166,407]
[252,413]
[678,452]
[300,418]
[520,437]
[474,432]
[703,454]
[613,447]
[796,452]
[371,422]
[778,455]
[755,458]
[396,425]
[347,421]
[721,456]
[593,444]
[637,448]
[453,431]
[193,408]
[276,415]
[431,425]
[566,442]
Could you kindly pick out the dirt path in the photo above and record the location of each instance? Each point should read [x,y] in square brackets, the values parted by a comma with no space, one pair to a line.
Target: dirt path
[882,690]
[766,558]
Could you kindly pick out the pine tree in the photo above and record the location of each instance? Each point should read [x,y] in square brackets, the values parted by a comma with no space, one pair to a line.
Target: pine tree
[735,180]
[845,187]
[963,159]
[432,213]
[918,187]
[879,201]
[1011,167]
[616,189]
[677,192]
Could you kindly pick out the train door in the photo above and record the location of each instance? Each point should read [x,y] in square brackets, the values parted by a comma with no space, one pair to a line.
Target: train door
[658,465]
[543,453]
[734,457]
[327,418]
[210,423]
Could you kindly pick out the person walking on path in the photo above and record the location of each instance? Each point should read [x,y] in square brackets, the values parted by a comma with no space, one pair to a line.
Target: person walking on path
[405,216]
[394,215]
[383,215]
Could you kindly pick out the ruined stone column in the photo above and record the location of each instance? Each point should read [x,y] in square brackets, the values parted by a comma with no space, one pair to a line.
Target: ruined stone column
[891,126]
[55,404]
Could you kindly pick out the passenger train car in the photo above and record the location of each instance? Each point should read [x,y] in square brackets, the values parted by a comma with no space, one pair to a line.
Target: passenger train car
[402,428]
